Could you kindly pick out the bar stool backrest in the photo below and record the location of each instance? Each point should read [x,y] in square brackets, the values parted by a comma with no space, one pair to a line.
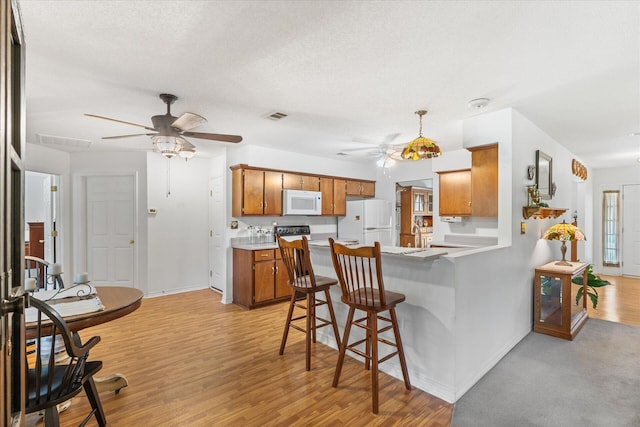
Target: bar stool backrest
[359,272]
[296,258]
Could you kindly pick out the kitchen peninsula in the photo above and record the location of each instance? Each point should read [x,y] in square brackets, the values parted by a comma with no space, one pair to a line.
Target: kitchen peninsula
[439,321]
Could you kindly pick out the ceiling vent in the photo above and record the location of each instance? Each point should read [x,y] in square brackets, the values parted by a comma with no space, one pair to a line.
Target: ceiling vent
[277,115]
[63,141]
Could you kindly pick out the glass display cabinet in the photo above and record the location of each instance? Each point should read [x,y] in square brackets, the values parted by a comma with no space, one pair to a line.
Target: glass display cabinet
[555,311]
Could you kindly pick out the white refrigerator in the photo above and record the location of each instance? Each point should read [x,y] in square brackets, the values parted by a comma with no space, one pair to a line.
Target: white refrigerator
[367,221]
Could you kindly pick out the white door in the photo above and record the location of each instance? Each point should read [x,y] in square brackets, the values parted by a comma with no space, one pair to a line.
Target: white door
[631,230]
[110,230]
[217,257]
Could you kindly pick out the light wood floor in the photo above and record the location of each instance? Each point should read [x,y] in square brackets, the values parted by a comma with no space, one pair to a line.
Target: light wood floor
[192,361]
[619,302]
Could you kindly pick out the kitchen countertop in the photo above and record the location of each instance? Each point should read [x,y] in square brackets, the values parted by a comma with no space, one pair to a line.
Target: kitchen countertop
[414,253]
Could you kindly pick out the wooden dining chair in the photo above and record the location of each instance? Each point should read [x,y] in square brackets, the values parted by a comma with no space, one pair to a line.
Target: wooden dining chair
[359,272]
[306,285]
[51,378]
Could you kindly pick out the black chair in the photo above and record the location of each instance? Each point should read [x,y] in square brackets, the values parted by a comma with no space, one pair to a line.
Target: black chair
[52,379]
[359,271]
[305,284]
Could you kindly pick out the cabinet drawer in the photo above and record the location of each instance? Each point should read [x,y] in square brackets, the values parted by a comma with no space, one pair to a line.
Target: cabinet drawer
[263,255]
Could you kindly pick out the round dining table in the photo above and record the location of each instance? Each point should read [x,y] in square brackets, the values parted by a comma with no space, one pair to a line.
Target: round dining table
[118,301]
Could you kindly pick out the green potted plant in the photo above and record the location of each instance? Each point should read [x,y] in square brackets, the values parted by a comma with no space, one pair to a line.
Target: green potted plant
[593,282]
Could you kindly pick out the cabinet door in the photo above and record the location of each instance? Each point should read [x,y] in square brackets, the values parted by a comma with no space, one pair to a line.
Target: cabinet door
[253,192]
[310,183]
[272,193]
[264,273]
[455,193]
[339,197]
[326,188]
[368,189]
[353,188]
[360,188]
[484,181]
[291,181]
[282,280]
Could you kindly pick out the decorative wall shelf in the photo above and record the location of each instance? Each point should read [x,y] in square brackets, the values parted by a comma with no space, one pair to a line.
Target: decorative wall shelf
[539,212]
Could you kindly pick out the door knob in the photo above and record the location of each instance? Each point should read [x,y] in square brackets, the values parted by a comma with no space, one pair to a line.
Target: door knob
[132,241]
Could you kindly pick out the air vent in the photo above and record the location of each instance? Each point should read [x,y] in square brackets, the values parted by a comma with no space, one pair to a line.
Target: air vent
[63,141]
[277,115]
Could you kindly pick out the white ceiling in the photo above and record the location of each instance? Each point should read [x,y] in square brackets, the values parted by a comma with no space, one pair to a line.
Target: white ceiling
[344,71]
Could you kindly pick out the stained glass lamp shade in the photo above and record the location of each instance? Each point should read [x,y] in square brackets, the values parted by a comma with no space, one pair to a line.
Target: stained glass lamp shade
[421,147]
[564,232]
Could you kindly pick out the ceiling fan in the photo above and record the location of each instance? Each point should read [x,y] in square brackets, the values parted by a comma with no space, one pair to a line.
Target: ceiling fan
[385,153]
[169,131]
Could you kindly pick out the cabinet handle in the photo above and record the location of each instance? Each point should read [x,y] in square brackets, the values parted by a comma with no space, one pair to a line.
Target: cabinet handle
[263,255]
[273,270]
[469,204]
[276,269]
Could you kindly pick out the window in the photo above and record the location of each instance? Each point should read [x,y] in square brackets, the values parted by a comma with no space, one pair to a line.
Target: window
[611,228]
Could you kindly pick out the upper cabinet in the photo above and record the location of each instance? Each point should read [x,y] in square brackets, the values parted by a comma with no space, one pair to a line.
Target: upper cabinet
[472,192]
[292,181]
[455,193]
[334,196]
[361,188]
[258,191]
[484,181]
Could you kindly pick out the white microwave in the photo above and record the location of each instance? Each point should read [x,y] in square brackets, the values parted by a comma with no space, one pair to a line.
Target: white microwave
[300,202]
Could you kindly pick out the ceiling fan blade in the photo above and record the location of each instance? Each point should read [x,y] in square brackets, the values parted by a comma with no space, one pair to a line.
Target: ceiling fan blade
[213,136]
[188,121]
[128,136]
[188,145]
[119,121]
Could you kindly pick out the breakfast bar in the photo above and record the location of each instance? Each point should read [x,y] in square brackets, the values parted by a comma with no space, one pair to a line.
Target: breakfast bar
[438,313]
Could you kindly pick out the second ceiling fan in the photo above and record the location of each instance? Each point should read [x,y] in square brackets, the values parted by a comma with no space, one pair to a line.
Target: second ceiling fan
[169,131]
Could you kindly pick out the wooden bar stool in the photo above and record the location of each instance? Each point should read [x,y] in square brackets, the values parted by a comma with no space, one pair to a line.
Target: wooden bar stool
[305,284]
[359,272]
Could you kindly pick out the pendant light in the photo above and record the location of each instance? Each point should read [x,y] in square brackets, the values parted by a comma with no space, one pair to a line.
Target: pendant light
[421,148]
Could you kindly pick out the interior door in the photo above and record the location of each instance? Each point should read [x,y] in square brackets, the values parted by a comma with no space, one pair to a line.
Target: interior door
[110,213]
[47,203]
[631,230]
[217,248]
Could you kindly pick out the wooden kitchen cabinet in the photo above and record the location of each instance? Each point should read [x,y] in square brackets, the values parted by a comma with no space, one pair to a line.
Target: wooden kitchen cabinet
[291,181]
[334,196]
[455,193]
[414,208]
[484,181]
[361,188]
[259,278]
[472,192]
[256,192]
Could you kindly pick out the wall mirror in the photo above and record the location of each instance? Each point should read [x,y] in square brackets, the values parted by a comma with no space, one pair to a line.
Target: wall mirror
[544,171]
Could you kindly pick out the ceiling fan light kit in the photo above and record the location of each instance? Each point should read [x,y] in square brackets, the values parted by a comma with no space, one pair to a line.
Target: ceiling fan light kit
[421,148]
[168,146]
[169,139]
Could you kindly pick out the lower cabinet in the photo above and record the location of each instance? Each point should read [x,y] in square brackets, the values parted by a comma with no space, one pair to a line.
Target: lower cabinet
[259,278]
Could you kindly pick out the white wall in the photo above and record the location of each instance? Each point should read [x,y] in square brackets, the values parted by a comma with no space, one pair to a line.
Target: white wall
[494,290]
[178,251]
[607,179]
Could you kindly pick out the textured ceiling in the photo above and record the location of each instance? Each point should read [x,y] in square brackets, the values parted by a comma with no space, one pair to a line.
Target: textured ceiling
[348,74]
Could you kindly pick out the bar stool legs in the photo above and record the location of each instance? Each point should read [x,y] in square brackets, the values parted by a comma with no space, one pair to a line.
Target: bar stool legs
[371,354]
[312,322]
